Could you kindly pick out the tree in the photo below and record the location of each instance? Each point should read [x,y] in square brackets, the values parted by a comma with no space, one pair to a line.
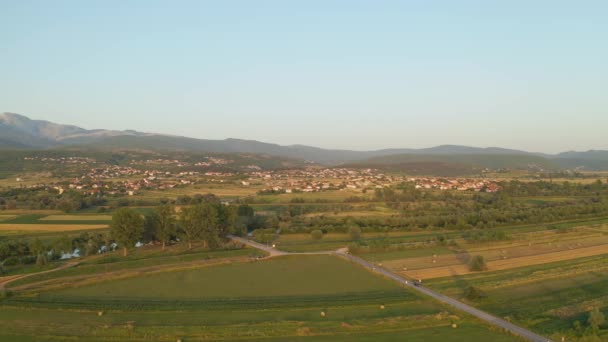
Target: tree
[200,222]
[227,217]
[39,250]
[596,318]
[354,233]
[127,227]
[163,223]
[477,264]
[64,244]
[316,234]
[210,226]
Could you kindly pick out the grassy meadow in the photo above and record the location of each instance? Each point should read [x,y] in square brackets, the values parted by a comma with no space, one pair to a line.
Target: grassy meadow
[315,298]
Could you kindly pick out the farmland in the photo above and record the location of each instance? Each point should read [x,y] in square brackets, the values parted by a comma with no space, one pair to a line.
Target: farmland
[547,298]
[532,235]
[281,298]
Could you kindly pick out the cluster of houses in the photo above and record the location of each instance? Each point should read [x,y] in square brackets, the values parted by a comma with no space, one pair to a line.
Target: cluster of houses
[63,160]
[327,179]
[455,184]
[160,174]
[314,179]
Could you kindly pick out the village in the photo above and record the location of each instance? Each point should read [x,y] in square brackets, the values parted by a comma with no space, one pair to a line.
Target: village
[162,174]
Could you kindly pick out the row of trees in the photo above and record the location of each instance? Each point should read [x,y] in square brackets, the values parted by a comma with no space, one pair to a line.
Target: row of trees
[204,222]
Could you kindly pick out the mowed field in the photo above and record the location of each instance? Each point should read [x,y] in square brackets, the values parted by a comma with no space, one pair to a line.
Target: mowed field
[77,218]
[49,227]
[317,298]
[520,250]
[458,270]
[547,298]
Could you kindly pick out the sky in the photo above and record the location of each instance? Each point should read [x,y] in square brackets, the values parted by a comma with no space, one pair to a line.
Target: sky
[351,74]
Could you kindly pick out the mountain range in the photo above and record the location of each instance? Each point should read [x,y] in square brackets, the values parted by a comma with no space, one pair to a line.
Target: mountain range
[20,132]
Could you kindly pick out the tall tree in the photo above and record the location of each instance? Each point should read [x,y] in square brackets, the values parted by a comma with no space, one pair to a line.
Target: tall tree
[127,227]
[164,223]
[200,222]
[190,220]
[227,219]
[39,250]
[210,226]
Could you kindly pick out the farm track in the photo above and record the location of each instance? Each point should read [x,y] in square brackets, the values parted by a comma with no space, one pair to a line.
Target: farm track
[343,252]
[9,279]
[120,274]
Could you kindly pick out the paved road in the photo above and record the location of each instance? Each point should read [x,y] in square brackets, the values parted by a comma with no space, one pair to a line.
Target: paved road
[343,252]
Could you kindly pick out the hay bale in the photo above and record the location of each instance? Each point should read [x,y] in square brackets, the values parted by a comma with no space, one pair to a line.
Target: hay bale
[454,325]
[100,313]
[322,313]
[382,307]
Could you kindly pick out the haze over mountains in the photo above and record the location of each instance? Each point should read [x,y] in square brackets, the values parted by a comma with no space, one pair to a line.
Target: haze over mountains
[20,132]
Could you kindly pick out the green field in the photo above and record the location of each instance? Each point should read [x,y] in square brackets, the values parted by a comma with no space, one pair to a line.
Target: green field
[289,276]
[269,300]
[546,298]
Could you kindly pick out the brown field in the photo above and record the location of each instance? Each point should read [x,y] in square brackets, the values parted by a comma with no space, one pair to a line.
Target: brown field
[504,264]
[228,191]
[30,211]
[77,218]
[362,213]
[49,227]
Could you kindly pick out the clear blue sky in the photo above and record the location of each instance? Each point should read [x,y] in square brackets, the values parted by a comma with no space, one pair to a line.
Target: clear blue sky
[343,74]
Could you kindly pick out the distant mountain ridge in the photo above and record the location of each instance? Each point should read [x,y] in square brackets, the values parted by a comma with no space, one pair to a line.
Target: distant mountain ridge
[20,132]
[41,133]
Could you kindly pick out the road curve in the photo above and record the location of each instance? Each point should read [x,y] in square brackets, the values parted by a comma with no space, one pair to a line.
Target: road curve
[343,252]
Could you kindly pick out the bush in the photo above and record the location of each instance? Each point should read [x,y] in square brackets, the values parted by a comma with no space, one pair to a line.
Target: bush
[12,261]
[477,264]
[354,248]
[354,233]
[473,293]
[316,234]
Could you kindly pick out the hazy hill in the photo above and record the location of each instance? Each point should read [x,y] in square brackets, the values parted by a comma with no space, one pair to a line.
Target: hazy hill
[20,132]
[455,163]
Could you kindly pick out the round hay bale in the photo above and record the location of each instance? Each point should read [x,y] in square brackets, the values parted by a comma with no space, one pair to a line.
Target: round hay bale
[100,313]
[382,307]
[454,325]
[322,313]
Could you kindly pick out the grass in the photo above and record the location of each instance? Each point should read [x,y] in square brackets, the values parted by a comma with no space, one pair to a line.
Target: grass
[547,298]
[49,227]
[272,300]
[289,276]
[7,217]
[101,266]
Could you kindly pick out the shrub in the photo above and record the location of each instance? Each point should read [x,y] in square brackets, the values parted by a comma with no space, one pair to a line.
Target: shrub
[12,261]
[595,319]
[473,293]
[354,233]
[354,248]
[316,234]
[477,264]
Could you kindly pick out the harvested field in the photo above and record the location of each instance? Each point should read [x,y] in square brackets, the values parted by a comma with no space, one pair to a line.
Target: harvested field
[49,227]
[497,265]
[77,218]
